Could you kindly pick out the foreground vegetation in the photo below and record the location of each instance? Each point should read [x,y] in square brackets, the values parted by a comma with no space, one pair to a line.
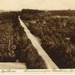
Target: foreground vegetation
[56,29]
[15,45]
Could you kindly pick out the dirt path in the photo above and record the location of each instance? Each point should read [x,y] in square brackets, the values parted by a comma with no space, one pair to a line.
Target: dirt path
[50,64]
[12,65]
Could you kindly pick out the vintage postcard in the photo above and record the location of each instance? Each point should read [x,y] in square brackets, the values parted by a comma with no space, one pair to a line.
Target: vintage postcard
[37,36]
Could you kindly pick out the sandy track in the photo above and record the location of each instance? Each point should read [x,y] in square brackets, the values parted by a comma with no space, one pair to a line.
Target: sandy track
[50,64]
[10,65]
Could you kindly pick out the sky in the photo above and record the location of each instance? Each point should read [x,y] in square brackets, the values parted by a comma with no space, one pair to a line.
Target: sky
[37,4]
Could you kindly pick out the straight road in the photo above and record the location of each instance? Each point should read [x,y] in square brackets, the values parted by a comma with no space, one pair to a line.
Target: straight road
[50,64]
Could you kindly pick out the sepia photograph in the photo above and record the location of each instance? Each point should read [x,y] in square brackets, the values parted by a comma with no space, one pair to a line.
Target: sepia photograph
[37,35]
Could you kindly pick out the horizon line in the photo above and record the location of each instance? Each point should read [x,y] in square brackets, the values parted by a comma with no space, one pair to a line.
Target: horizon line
[36,9]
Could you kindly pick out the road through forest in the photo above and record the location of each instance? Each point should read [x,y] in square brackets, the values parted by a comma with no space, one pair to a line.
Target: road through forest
[50,64]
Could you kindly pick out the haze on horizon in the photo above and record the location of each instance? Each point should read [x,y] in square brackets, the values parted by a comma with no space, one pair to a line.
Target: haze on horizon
[37,4]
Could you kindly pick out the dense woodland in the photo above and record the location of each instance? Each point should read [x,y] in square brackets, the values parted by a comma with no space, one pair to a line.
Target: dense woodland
[56,29]
[16,45]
